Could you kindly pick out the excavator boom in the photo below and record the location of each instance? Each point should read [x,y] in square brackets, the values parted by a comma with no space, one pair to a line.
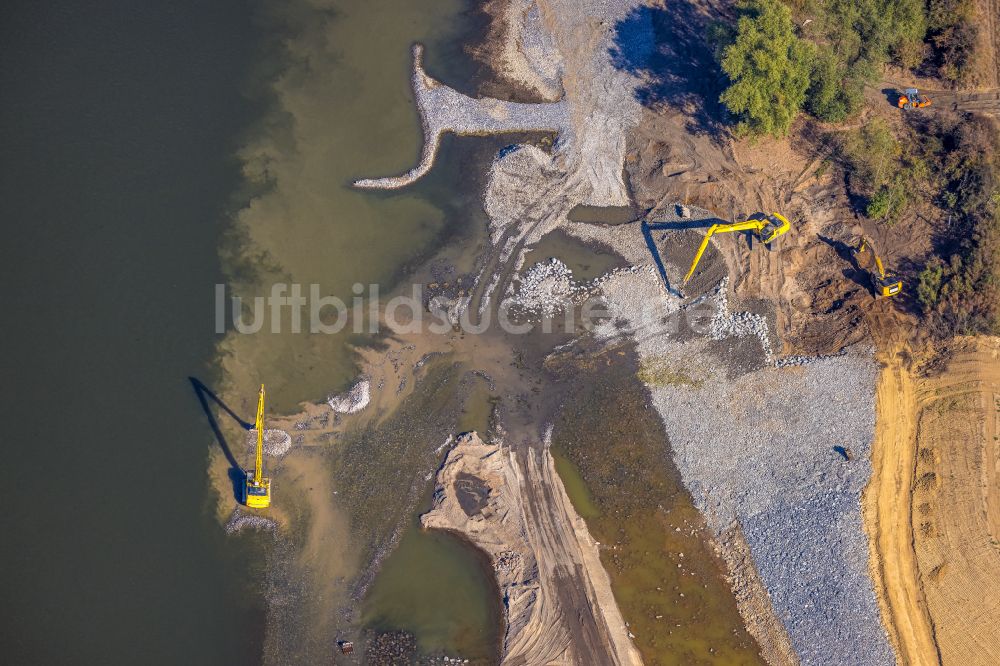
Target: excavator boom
[766,230]
[259,468]
[884,283]
[701,250]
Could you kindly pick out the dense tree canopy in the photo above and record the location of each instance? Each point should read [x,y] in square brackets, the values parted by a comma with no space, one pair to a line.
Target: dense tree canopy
[768,67]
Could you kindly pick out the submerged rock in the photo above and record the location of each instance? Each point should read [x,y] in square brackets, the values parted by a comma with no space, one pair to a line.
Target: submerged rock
[354,400]
[276,442]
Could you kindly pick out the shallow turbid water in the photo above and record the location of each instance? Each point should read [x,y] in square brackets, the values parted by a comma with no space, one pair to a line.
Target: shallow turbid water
[342,108]
[434,586]
[586,260]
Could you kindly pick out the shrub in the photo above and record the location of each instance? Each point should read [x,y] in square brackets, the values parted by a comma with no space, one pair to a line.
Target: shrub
[959,289]
[953,33]
[832,95]
[880,205]
[929,284]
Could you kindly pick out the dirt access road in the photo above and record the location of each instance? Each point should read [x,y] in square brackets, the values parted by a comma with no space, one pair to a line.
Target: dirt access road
[934,505]
[887,506]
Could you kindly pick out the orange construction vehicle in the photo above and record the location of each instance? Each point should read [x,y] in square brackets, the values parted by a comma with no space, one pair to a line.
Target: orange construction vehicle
[911,99]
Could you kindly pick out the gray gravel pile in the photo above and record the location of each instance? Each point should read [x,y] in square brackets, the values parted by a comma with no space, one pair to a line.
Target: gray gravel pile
[545,288]
[354,400]
[276,442]
[548,287]
[760,450]
[727,324]
[241,521]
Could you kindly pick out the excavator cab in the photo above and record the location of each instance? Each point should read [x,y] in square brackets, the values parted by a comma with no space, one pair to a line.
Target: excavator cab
[773,226]
[911,99]
[257,488]
[258,495]
[886,286]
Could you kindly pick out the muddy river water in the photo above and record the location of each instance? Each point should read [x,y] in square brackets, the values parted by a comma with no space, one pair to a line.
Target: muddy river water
[130,553]
[340,107]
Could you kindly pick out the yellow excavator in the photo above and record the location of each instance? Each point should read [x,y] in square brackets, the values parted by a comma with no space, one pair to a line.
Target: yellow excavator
[884,282]
[766,228]
[257,493]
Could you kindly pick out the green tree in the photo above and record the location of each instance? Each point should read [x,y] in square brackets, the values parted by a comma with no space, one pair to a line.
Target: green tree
[768,67]
[833,94]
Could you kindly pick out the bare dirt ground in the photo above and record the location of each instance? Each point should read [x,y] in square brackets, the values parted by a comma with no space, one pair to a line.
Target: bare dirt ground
[934,503]
[956,500]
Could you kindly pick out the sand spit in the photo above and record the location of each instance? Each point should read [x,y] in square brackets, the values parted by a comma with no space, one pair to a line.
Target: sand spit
[557,597]
[443,109]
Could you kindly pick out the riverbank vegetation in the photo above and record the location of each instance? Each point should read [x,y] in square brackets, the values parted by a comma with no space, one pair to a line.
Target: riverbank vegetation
[784,58]
[952,29]
[959,288]
[953,164]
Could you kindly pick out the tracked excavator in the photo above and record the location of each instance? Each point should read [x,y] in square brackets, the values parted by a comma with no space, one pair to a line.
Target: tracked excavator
[910,99]
[885,283]
[257,491]
[765,228]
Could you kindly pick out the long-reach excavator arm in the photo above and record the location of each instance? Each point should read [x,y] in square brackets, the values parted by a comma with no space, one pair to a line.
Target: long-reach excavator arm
[257,493]
[258,473]
[766,229]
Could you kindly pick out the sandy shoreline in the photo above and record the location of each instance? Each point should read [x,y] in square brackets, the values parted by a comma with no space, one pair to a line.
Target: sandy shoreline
[513,506]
